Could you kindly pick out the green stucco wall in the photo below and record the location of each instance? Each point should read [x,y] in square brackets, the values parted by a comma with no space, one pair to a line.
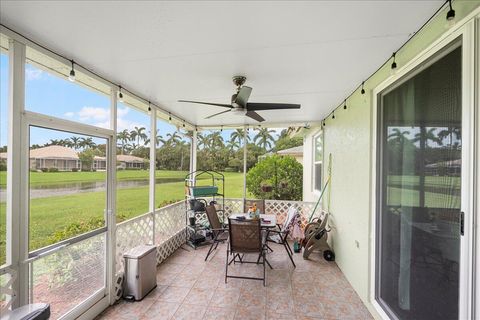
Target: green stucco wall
[348,138]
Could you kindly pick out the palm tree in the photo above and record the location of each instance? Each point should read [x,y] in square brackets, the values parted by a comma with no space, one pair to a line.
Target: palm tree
[423,137]
[87,143]
[158,139]
[264,138]
[124,138]
[398,137]
[173,139]
[237,136]
[216,140]
[203,141]
[427,135]
[450,132]
[138,134]
[75,140]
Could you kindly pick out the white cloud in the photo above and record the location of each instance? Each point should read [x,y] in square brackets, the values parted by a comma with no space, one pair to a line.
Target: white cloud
[33,74]
[93,113]
[123,124]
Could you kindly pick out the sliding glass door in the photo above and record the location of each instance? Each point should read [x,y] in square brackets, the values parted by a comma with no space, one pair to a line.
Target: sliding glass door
[419,219]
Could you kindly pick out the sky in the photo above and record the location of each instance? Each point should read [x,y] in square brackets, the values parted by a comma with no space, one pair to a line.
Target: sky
[54,96]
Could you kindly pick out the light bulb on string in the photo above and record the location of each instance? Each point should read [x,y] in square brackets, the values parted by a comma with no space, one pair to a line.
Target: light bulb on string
[120,94]
[71,76]
[450,16]
[393,67]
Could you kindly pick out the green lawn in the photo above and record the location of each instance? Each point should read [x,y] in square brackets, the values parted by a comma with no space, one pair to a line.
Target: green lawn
[48,215]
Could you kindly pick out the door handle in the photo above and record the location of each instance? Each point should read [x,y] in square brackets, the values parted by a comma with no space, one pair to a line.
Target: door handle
[462,223]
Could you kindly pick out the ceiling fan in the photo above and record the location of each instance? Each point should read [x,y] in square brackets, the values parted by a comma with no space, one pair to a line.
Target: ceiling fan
[240,105]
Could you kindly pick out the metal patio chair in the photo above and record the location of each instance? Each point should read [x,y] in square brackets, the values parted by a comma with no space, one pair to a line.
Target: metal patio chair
[280,236]
[246,237]
[220,231]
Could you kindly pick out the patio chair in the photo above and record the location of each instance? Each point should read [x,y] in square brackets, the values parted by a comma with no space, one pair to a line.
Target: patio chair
[259,202]
[245,237]
[219,230]
[280,236]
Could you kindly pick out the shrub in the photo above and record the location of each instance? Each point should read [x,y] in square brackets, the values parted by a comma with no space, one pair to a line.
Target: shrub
[74,169]
[53,170]
[3,165]
[283,174]
[44,169]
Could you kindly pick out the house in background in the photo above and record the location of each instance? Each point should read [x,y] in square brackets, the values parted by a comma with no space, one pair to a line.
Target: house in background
[296,152]
[58,157]
[125,161]
[99,163]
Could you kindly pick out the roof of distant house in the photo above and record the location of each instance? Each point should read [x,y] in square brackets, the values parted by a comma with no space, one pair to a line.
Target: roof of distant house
[291,151]
[129,158]
[54,152]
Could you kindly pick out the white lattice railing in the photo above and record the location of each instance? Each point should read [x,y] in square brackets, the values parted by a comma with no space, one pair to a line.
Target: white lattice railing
[7,294]
[166,229]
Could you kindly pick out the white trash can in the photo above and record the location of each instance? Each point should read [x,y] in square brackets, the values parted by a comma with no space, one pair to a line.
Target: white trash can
[140,271]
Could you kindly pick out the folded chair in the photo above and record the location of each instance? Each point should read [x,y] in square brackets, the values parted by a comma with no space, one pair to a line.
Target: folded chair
[280,236]
[245,237]
[220,231]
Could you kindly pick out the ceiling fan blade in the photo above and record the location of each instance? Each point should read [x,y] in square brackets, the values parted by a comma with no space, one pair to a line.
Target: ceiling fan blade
[243,95]
[256,106]
[216,114]
[208,103]
[254,116]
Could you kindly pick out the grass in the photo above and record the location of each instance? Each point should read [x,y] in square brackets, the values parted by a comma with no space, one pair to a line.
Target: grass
[52,214]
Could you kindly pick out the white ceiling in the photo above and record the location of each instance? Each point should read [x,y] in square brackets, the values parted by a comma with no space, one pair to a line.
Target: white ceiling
[312,53]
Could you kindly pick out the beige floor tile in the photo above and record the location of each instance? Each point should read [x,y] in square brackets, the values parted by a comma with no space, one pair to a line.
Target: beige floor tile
[174,294]
[218,313]
[199,296]
[189,312]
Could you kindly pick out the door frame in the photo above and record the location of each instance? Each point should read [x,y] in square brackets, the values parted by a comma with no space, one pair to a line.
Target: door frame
[464,29]
[100,298]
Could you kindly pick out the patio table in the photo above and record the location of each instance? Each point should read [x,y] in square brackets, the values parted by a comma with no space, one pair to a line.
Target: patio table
[271,218]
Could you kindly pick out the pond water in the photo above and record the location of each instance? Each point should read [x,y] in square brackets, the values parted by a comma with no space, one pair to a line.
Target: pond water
[60,189]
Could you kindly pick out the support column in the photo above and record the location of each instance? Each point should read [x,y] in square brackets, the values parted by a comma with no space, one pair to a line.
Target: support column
[111,218]
[245,134]
[153,149]
[193,151]
[17,174]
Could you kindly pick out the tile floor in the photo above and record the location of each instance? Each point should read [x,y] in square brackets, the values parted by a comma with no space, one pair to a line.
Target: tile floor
[190,288]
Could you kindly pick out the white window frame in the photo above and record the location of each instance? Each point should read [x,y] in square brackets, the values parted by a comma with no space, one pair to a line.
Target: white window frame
[464,29]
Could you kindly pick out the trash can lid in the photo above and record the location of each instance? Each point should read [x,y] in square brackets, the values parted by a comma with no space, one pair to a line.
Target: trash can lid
[138,252]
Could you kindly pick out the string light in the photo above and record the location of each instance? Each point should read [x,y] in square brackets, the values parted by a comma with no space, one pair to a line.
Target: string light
[345,105]
[450,15]
[183,123]
[71,76]
[221,129]
[120,94]
[169,118]
[394,63]
[333,115]
[363,89]
[324,122]
[149,108]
